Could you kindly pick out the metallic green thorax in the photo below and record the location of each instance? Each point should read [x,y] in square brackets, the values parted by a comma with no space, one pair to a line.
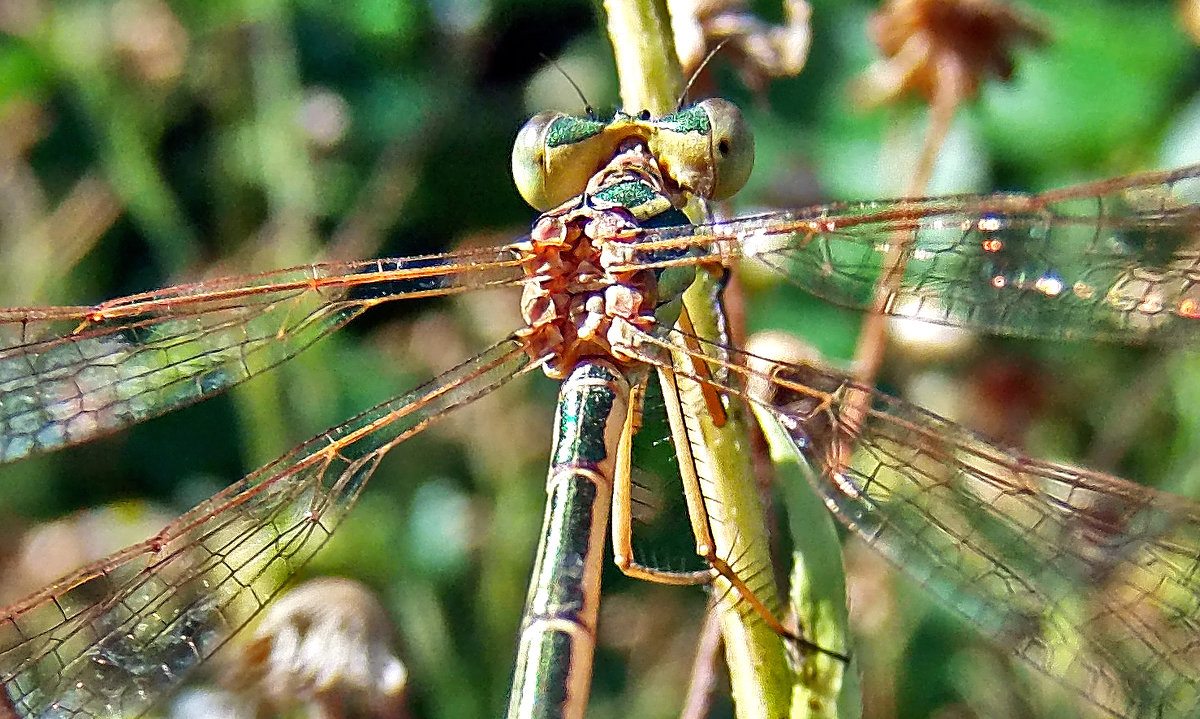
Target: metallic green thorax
[652,209]
[579,300]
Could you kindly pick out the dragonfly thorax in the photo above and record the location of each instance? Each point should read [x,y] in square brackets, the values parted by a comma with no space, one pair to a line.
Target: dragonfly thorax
[575,302]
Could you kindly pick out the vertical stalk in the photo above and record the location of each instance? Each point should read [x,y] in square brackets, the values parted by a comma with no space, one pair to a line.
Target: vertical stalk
[647,66]
[761,677]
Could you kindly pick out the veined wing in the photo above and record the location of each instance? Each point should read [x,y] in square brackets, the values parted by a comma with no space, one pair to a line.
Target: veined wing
[111,639]
[1090,578]
[68,374]
[1117,259]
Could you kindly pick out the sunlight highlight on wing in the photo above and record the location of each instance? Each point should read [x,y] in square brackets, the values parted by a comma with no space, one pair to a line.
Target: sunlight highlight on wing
[1092,579]
[1113,260]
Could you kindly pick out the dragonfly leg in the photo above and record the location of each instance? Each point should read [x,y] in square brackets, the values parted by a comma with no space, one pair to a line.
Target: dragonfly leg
[712,400]
[698,512]
[622,507]
[738,579]
[622,531]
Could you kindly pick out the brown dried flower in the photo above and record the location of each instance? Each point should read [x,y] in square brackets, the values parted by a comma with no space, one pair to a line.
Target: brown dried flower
[761,50]
[942,48]
[324,644]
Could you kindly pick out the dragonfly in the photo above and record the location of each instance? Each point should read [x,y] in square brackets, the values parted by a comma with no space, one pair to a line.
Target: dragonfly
[1086,576]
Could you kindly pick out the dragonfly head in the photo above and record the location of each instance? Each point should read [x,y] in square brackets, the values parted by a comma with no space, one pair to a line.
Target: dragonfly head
[706,150]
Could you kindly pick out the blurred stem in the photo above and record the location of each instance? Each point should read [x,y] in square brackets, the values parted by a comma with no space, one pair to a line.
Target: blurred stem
[705,678]
[125,133]
[647,65]
[135,176]
[283,156]
[872,338]
[761,677]
[830,685]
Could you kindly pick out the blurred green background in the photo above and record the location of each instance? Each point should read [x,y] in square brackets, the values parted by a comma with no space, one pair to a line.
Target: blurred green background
[144,144]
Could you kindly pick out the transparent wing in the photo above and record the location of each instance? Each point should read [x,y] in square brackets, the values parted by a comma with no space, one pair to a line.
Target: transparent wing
[68,374]
[1115,260]
[1090,578]
[114,637]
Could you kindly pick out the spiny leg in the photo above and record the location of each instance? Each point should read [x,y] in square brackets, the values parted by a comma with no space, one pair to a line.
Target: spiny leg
[738,570]
[698,514]
[622,508]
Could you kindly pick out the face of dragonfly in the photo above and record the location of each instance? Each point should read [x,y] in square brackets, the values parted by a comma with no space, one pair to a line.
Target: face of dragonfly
[459,153]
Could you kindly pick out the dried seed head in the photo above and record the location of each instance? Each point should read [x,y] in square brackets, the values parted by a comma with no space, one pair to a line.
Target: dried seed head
[325,644]
[760,50]
[942,48]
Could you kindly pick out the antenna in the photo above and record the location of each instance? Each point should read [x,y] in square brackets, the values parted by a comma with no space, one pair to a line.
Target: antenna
[587,106]
[699,69]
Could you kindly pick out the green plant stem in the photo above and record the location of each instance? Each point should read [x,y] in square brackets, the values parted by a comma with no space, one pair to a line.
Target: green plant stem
[761,678]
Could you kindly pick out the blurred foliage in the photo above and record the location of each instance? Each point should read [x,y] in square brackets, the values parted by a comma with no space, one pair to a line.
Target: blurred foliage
[143,144]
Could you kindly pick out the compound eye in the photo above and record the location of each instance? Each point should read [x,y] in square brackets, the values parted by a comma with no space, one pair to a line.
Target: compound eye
[529,167]
[732,147]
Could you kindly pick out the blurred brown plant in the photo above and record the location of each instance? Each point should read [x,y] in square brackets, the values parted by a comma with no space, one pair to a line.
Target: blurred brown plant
[762,51]
[326,644]
[150,40]
[942,48]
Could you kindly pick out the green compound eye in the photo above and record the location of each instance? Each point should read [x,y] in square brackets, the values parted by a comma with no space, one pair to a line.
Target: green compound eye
[555,154]
[732,147]
[529,168]
[707,149]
